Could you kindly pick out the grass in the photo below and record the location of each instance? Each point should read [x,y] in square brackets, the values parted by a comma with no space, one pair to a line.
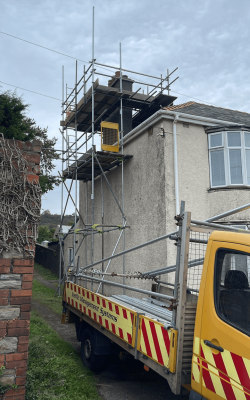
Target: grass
[45,273]
[55,370]
[46,296]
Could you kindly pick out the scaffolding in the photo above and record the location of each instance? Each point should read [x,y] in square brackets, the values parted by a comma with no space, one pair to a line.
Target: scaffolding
[87,112]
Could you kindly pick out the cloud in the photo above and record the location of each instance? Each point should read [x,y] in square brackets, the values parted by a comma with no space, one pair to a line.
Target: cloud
[208,41]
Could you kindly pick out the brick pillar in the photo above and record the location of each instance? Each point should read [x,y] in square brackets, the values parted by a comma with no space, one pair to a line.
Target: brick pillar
[17,266]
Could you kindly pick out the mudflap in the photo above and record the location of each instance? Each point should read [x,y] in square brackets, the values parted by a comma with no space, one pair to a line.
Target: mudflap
[67,317]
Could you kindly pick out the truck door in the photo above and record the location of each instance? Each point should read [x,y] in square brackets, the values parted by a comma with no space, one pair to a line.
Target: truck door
[225,325]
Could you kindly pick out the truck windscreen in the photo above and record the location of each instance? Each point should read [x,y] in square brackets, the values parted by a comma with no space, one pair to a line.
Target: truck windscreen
[232,292]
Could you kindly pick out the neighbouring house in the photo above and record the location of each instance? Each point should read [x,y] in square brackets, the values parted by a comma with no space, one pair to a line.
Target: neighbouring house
[192,152]
[45,243]
[64,230]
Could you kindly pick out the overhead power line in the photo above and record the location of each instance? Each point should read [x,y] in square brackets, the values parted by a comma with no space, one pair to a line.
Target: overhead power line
[194,98]
[54,98]
[86,62]
[27,90]
[43,47]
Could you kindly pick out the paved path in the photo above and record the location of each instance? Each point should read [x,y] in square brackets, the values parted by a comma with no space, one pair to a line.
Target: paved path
[119,380]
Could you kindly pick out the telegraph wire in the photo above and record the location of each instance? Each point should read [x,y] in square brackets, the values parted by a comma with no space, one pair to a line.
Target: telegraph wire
[27,90]
[86,62]
[54,98]
[43,47]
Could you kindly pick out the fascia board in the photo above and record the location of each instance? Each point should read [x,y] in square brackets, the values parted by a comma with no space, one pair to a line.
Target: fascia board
[171,115]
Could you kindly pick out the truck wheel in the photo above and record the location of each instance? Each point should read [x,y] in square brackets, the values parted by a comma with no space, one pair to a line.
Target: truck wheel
[89,359]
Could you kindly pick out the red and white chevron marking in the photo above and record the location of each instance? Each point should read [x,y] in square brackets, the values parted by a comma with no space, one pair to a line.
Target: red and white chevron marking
[226,373]
[154,341]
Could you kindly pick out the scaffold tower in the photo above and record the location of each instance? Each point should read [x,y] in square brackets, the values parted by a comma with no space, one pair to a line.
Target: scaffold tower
[90,109]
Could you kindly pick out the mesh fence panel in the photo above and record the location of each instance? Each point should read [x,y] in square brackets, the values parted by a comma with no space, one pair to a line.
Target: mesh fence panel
[110,136]
[195,261]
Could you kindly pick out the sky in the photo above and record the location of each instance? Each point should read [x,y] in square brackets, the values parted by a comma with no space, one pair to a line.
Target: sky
[207,40]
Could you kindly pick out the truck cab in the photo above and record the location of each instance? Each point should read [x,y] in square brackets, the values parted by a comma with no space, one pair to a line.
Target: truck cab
[221,347]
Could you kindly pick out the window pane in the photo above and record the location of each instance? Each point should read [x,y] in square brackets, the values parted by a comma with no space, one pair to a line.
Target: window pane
[233,139]
[235,166]
[248,165]
[247,139]
[217,168]
[216,140]
[232,293]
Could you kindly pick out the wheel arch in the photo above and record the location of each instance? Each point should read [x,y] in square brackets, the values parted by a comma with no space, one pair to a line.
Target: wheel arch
[102,344]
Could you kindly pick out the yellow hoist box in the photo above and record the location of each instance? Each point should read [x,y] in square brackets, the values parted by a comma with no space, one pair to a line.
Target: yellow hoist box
[110,136]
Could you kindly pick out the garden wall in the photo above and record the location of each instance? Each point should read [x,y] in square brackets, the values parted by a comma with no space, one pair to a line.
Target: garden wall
[20,203]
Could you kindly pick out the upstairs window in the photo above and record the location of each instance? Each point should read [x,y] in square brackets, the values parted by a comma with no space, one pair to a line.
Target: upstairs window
[229,157]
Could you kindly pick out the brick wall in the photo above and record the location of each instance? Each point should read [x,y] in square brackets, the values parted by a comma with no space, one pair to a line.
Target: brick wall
[16,275]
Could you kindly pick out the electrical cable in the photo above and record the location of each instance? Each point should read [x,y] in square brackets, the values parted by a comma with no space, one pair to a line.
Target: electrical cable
[27,90]
[43,47]
[86,62]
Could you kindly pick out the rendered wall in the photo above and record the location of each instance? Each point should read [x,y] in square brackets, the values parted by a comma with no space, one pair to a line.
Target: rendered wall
[149,198]
[145,210]
[20,194]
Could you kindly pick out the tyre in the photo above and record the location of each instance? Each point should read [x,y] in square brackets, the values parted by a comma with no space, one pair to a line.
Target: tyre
[89,359]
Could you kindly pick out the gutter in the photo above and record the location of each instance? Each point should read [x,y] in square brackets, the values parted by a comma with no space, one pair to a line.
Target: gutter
[170,115]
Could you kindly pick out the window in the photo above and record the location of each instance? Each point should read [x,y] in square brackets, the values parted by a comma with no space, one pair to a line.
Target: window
[229,157]
[232,292]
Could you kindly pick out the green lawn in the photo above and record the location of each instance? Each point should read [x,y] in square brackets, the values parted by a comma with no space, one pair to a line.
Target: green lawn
[55,370]
[45,273]
[46,297]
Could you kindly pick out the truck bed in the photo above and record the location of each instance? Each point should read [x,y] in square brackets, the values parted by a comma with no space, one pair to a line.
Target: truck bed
[143,324]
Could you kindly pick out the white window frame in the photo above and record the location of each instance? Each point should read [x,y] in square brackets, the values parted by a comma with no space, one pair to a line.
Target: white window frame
[226,149]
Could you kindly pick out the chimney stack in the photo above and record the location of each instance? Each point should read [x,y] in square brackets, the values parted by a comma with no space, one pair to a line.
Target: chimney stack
[127,84]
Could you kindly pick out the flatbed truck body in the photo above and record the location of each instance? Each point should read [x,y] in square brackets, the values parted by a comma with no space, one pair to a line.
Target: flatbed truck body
[198,340]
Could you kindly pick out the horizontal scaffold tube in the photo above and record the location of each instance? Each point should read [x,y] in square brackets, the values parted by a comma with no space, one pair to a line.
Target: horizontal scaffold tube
[148,292]
[172,268]
[207,222]
[219,227]
[129,250]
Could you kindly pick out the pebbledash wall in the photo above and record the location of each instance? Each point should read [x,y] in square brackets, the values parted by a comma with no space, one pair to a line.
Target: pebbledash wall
[149,197]
[20,202]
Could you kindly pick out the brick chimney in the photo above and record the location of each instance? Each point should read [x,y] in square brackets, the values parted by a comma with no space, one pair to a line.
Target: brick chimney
[127,84]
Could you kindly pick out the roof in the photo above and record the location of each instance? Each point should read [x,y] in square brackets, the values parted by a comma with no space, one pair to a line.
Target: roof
[204,110]
[70,227]
[231,237]
[64,230]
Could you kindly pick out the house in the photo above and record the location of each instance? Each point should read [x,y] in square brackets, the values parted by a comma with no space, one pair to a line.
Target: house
[192,152]
[64,230]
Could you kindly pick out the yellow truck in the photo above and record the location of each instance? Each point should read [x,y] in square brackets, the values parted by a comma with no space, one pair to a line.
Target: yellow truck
[192,329]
